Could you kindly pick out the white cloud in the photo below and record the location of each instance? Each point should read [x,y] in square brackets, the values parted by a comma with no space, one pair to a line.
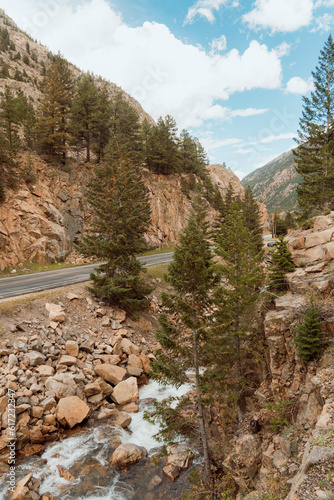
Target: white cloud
[206,8]
[280,15]
[218,44]
[323,23]
[148,61]
[325,3]
[297,85]
[244,151]
[248,112]
[273,138]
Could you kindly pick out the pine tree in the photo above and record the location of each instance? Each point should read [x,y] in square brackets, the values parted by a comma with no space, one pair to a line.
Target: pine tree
[184,325]
[54,112]
[126,128]
[102,131]
[315,153]
[281,264]
[241,274]
[85,114]
[121,217]
[163,155]
[251,212]
[9,120]
[309,334]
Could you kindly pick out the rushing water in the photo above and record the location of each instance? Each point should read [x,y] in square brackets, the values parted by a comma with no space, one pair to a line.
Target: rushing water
[86,456]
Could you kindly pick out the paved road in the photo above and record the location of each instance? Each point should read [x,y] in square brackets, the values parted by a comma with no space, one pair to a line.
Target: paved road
[36,282]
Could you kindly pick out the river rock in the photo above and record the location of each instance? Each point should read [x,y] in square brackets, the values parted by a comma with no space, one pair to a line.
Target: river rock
[171,471]
[126,391]
[71,411]
[127,454]
[179,455]
[56,313]
[21,489]
[65,473]
[123,419]
[111,373]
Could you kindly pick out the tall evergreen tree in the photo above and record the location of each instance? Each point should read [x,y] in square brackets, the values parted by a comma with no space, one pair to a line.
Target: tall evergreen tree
[85,113]
[126,128]
[309,334]
[102,131]
[121,217]
[184,325]
[241,274]
[251,211]
[10,120]
[315,153]
[163,155]
[281,264]
[54,112]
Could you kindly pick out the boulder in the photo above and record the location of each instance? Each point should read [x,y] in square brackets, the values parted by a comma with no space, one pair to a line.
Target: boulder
[56,313]
[71,411]
[12,360]
[87,346]
[126,391]
[171,471]
[118,315]
[127,454]
[92,388]
[72,296]
[128,347]
[62,384]
[65,473]
[111,373]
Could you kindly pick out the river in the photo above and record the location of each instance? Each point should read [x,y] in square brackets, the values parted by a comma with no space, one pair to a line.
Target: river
[86,456]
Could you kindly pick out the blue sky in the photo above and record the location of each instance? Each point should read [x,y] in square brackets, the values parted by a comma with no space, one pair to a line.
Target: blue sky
[232,72]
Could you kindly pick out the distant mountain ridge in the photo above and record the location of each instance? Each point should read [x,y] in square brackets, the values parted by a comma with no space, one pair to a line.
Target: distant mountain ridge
[275,184]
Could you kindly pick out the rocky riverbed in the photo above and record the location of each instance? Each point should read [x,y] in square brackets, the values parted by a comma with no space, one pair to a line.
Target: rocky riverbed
[69,362]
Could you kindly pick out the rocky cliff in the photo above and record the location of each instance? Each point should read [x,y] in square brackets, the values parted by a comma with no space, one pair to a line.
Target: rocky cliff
[289,453]
[41,221]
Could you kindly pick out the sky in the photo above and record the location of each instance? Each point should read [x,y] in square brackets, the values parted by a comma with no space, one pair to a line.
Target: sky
[232,72]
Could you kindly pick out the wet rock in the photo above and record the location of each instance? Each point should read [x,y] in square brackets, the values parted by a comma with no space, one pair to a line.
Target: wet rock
[123,419]
[126,391]
[171,471]
[71,411]
[111,373]
[21,490]
[65,473]
[127,454]
[155,481]
[179,455]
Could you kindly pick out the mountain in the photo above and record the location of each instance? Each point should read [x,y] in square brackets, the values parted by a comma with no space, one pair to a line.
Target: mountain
[24,61]
[275,184]
[48,213]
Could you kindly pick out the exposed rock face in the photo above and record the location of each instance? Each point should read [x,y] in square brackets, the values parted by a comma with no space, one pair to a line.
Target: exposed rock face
[41,222]
[224,177]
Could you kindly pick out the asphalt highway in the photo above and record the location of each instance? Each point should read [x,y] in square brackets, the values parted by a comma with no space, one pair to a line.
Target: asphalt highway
[37,282]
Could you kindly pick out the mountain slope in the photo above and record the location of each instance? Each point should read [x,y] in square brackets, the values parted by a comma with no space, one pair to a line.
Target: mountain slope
[275,184]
